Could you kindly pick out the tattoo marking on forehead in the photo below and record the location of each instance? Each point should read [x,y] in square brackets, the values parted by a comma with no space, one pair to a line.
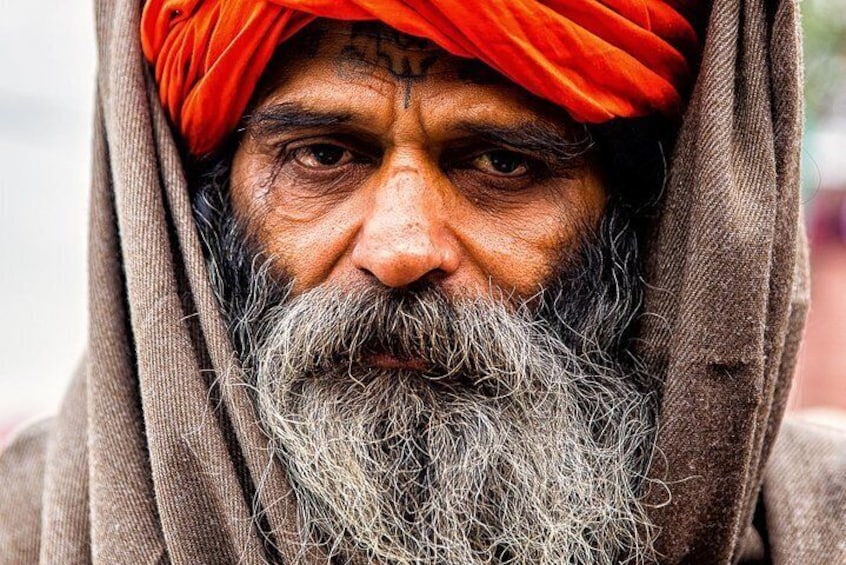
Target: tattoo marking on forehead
[407,58]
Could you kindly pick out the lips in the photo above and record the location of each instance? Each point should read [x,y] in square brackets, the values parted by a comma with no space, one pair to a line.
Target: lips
[389,361]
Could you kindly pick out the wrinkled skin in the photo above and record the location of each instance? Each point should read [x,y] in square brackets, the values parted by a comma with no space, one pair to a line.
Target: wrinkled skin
[379,156]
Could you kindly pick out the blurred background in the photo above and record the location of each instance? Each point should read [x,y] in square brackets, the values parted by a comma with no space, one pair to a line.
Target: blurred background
[46,93]
[821,378]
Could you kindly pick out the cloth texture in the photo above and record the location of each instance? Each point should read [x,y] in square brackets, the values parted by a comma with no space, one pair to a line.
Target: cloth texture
[156,457]
[811,514]
[597,59]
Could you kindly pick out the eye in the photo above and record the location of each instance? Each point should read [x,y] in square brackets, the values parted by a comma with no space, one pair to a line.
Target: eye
[502,162]
[321,155]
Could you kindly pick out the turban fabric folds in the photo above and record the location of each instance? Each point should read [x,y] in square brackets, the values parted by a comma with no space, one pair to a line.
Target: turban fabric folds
[597,59]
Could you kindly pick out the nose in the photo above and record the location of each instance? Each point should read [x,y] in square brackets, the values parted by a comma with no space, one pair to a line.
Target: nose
[404,238]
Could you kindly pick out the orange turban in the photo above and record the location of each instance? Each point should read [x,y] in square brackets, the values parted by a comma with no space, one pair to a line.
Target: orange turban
[598,59]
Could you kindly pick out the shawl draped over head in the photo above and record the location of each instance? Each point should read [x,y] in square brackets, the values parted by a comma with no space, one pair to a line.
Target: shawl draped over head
[155,455]
[598,59]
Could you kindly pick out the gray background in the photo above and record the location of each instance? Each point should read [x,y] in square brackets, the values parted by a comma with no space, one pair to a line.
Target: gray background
[46,94]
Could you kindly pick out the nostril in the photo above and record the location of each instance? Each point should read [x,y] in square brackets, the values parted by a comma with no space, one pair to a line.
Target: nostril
[399,266]
[433,278]
[367,273]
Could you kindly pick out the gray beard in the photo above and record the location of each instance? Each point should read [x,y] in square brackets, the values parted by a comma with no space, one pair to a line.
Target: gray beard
[525,439]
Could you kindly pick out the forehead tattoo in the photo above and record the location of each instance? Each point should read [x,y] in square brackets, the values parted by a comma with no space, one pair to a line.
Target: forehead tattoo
[407,58]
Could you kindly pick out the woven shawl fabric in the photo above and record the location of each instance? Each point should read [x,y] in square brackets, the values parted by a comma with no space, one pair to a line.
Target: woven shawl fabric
[155,456]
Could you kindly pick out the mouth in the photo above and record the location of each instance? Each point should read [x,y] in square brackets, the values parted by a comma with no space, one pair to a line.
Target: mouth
[389,361]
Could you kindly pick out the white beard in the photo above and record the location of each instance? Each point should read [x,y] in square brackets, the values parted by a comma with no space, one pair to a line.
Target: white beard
[511,448]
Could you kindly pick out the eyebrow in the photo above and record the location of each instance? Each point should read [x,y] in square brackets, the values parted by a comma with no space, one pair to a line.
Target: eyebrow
[539,137]
[280,118]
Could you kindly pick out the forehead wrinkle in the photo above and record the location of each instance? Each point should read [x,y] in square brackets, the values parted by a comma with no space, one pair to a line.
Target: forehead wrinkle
[279,117]
[331,42]
[375,44]
[324,43]
[313,112]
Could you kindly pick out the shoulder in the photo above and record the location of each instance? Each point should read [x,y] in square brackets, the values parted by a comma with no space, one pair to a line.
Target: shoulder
[804,494]
[21,482]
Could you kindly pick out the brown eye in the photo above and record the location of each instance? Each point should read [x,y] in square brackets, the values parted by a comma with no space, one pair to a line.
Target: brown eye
[322,155]
[502,163]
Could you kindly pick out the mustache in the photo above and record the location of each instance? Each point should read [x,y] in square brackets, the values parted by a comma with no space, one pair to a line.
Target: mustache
[476,342]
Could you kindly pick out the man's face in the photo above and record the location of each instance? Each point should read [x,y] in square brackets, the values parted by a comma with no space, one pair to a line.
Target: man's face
[375,156]
[430,305]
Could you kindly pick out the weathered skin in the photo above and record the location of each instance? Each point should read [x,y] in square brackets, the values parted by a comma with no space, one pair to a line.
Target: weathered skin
[377,155]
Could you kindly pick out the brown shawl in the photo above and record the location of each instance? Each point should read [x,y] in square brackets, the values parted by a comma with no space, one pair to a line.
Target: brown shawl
[155,456]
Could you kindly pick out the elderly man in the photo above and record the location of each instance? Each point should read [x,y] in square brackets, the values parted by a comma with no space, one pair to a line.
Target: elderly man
[433,282]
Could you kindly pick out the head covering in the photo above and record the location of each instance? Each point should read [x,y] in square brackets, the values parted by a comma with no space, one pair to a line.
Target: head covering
[597,59]
[156,456]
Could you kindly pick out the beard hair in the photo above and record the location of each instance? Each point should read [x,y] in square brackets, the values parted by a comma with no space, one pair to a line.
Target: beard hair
[525,439]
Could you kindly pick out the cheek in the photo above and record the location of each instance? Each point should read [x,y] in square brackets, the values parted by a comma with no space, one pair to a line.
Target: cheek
[519,248]
[306,237]
[312,248]
[512,254]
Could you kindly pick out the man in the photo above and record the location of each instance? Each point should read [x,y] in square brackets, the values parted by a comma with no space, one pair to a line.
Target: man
[432,276]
